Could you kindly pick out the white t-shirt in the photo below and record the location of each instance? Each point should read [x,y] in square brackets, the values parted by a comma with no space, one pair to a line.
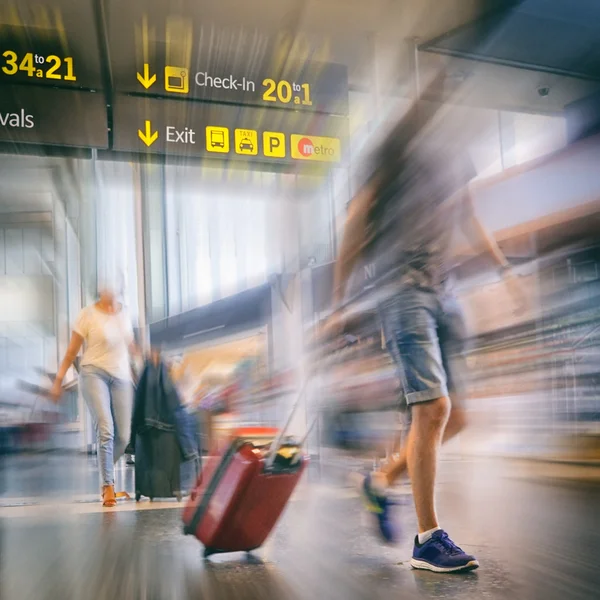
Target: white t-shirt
[106,340]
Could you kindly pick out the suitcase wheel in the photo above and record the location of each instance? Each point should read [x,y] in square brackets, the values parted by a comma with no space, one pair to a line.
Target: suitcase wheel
[151,499]
[208,552]
[252,559]
[179,497]
[137,496]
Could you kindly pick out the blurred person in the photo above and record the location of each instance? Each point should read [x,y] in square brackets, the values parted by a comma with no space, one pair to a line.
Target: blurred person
[105,331]
[404,216]
[137,366]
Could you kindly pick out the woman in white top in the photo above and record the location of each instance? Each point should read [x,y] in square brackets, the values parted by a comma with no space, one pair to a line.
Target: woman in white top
[107,335]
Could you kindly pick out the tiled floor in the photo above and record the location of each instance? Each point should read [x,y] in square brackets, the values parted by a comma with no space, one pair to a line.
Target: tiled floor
[534,538]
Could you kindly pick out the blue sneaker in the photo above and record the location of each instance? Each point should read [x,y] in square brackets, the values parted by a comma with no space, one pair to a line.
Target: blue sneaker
[380,506]
[442,555]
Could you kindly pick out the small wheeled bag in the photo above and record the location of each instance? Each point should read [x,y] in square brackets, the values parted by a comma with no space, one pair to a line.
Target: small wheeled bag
[242,493]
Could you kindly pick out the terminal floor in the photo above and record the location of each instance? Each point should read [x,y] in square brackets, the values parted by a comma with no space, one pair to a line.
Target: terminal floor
[535,538]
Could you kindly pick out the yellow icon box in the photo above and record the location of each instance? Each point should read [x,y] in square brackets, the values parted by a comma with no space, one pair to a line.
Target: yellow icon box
[246,141]
[313,147]
[274,144]
[217,139]
[177,80]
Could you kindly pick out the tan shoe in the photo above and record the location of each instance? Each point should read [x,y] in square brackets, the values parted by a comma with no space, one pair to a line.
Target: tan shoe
[109,499]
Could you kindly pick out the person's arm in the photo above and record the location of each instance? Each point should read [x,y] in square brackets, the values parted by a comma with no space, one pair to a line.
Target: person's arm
[72,352]
[479,236]
[134,350]
[353,241]
[482,240]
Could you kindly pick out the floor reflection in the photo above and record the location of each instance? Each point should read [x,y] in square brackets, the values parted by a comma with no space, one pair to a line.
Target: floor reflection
[533,540]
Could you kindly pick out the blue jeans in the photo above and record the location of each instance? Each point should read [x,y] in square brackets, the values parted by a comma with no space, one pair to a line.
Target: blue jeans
[110,401]
[425,335]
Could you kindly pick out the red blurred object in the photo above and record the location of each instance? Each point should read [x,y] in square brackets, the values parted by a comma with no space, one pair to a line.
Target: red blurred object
[239,499]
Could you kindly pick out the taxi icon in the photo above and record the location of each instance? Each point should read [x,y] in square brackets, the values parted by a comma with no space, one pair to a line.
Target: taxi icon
[246,145]
[246,142]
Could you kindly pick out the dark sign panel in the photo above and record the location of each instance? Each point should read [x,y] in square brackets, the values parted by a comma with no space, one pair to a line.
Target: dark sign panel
[213,65]
[142,124]
[35,56]
[313,87]
[36,115]
[51,43]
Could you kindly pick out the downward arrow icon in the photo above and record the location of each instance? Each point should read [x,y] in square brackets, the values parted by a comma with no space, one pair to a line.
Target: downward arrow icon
[145,79]
[147,136]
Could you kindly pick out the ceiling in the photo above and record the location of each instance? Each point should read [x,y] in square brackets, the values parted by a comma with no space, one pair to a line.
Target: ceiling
[553,36]
[501,52]
[343,31]
[350,32]
[539,56]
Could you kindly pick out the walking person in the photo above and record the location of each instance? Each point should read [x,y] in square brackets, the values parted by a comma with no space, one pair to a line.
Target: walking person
[405,216]
[106,334]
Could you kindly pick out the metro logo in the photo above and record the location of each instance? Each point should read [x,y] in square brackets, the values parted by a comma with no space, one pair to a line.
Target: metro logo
[312,147]
[306,147]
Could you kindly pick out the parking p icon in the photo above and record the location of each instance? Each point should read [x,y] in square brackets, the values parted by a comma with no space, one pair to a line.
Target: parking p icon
[274,144]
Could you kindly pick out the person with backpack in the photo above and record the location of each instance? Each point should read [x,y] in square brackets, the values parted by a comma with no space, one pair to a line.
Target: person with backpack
[405,216]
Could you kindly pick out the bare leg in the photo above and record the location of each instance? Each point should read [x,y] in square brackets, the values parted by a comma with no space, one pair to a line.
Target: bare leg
[398,465]
[424,441]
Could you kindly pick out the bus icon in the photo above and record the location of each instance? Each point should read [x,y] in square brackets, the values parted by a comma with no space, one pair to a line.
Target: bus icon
[217,139]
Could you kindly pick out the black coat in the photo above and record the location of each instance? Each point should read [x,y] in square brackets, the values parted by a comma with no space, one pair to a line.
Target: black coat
[157,406]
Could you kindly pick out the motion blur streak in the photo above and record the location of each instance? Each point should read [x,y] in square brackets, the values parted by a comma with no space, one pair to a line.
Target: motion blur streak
[199,161]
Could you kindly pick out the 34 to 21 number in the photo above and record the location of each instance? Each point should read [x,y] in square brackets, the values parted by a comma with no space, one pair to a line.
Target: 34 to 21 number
[283,91]
[45,67]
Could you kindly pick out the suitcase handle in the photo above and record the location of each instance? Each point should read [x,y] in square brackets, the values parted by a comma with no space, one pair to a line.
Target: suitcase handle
[277,442]
[349,340]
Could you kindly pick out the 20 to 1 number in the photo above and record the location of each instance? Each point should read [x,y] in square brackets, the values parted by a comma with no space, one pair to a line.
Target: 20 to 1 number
[284,91]
[33,66]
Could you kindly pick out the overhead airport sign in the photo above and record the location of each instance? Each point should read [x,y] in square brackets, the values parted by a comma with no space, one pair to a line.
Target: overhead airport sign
[219,131]
[55,117]
[48,56]
[34,66]
[315,87]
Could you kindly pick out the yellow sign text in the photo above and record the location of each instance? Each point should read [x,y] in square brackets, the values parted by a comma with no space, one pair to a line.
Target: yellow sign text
[312,147]
[274,144]
[37,65]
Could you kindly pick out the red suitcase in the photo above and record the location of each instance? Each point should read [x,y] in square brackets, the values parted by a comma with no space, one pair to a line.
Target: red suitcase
[242,493]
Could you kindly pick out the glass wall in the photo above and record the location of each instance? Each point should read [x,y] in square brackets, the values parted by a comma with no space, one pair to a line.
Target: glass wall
[230,230]
[538,135]
[115,233]
[39,278]
[213,231]
[27,326]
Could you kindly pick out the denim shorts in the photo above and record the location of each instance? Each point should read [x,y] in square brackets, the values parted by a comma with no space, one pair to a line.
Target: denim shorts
[425,334]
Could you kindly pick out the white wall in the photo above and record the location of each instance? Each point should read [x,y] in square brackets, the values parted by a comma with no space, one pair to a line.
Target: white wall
[569,180]
[27,299]
[27,324]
